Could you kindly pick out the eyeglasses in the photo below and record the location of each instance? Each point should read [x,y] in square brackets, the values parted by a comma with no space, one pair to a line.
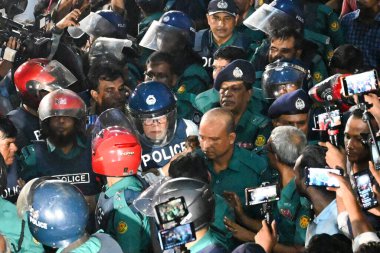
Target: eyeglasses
[159,120]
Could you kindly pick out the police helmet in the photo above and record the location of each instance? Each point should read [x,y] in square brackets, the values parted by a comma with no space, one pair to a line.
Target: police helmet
[116,152]
[277,14]
[153,103]
[56,211]
[173,28]
[38,75]
[198,196]
[283,76]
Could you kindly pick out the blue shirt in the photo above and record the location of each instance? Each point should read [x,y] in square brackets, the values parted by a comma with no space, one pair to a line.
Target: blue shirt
[324,223]
[365,36]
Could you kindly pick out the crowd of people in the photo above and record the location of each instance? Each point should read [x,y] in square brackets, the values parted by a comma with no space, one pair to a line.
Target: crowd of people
[163,125]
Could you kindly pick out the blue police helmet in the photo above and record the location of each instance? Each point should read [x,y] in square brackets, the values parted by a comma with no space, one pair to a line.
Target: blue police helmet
[181,21]
[153,103]
[59,213]
[117,21]
[293,8]
[282,76]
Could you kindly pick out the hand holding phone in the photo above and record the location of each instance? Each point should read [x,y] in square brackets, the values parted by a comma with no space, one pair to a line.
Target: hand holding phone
[265,194]
[360,83]
[364,189]
[321,177]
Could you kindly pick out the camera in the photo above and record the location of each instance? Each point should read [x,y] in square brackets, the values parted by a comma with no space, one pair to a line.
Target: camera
[360,83]
[176,236]
[264,194]
[364,189]
[328,124]
[321,177]
[172,210]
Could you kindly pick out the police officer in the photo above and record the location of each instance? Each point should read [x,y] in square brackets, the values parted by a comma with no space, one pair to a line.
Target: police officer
[201,206]
[222,17]
[57,215]
[34,79]
[283,76]
[286,15]
[65,153]
[116,157]
[15,231]
[234,84]
[153,108]
[174,33]
[232,168]
[291,109]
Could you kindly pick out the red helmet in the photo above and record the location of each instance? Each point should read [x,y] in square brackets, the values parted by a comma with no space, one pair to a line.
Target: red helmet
[40,74]
[62,102]
[116,152]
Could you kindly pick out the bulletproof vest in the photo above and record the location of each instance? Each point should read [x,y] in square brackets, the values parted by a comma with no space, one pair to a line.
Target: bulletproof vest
[107,243]
[27,126]
[156,156]
[105,209]
[76,171]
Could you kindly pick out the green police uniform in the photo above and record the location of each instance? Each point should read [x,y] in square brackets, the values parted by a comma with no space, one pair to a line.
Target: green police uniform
[193,81]
[207,100]
[130,229]
[245,169]
[208,239]
[252,130]
[255,36]
[323,20]
[293,216]
[11,227]
[221,233]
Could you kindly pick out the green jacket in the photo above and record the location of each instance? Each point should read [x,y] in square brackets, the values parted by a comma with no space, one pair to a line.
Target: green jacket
[11,227]
[130,229]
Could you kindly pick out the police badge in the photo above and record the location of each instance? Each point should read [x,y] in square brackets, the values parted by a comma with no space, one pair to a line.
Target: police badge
[300,104]
[237,73]
[222,5]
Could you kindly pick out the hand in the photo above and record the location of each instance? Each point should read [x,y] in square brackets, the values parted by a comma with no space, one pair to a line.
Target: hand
[376,175]
[267,238]
[344,191]
[234,201]
[334,157]
[14,43]
[239,232]
[373,99]
[70,19]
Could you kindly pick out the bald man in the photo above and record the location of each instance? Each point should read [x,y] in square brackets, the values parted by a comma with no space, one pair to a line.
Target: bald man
[232,168]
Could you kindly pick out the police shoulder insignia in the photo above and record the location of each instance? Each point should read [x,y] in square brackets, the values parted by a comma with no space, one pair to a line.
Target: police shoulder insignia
[260,140]
[304,221]
[334,26]
[122,227]
[181,89]
[317,76]
[330,54]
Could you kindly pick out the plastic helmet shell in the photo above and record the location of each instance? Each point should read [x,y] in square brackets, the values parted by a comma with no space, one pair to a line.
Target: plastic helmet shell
[116,152]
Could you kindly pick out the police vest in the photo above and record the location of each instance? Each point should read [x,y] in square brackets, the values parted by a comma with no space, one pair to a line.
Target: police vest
[156,156]
[27,126]
[205,46]
[76,171]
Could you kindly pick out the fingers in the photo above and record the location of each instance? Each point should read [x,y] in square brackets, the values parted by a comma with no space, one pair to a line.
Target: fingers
[230,225]
[274,228]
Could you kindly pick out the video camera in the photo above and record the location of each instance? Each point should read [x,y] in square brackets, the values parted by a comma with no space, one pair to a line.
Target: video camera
[33,42]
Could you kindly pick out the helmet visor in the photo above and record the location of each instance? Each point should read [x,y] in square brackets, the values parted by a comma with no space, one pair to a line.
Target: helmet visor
[109,46]
[63,77]
[94,24]
[266,18]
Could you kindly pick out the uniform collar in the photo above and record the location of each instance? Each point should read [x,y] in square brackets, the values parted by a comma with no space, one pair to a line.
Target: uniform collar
[79,143]
[129,182]
[244,119]
[227,43]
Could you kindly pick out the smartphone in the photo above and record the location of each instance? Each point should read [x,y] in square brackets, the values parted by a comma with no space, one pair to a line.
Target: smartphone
[255,196]
[321,177]
[375,154]
[176,236]
[172,210]
[360,83]
[364,188]
[327,120]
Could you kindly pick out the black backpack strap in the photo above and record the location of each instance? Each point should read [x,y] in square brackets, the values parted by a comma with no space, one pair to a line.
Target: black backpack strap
[21,239]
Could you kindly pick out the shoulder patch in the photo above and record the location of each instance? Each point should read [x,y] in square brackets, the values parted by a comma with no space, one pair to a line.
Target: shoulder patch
[122,227]
[330,54]
[304,221]
[181,89]
[334,26]
[317,76]
[260,140]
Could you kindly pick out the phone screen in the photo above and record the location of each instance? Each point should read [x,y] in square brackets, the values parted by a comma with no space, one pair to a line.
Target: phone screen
[364,187]
[360,83]
[176,236]
[328,119]
[254,196]
[171,210]
[321,177]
